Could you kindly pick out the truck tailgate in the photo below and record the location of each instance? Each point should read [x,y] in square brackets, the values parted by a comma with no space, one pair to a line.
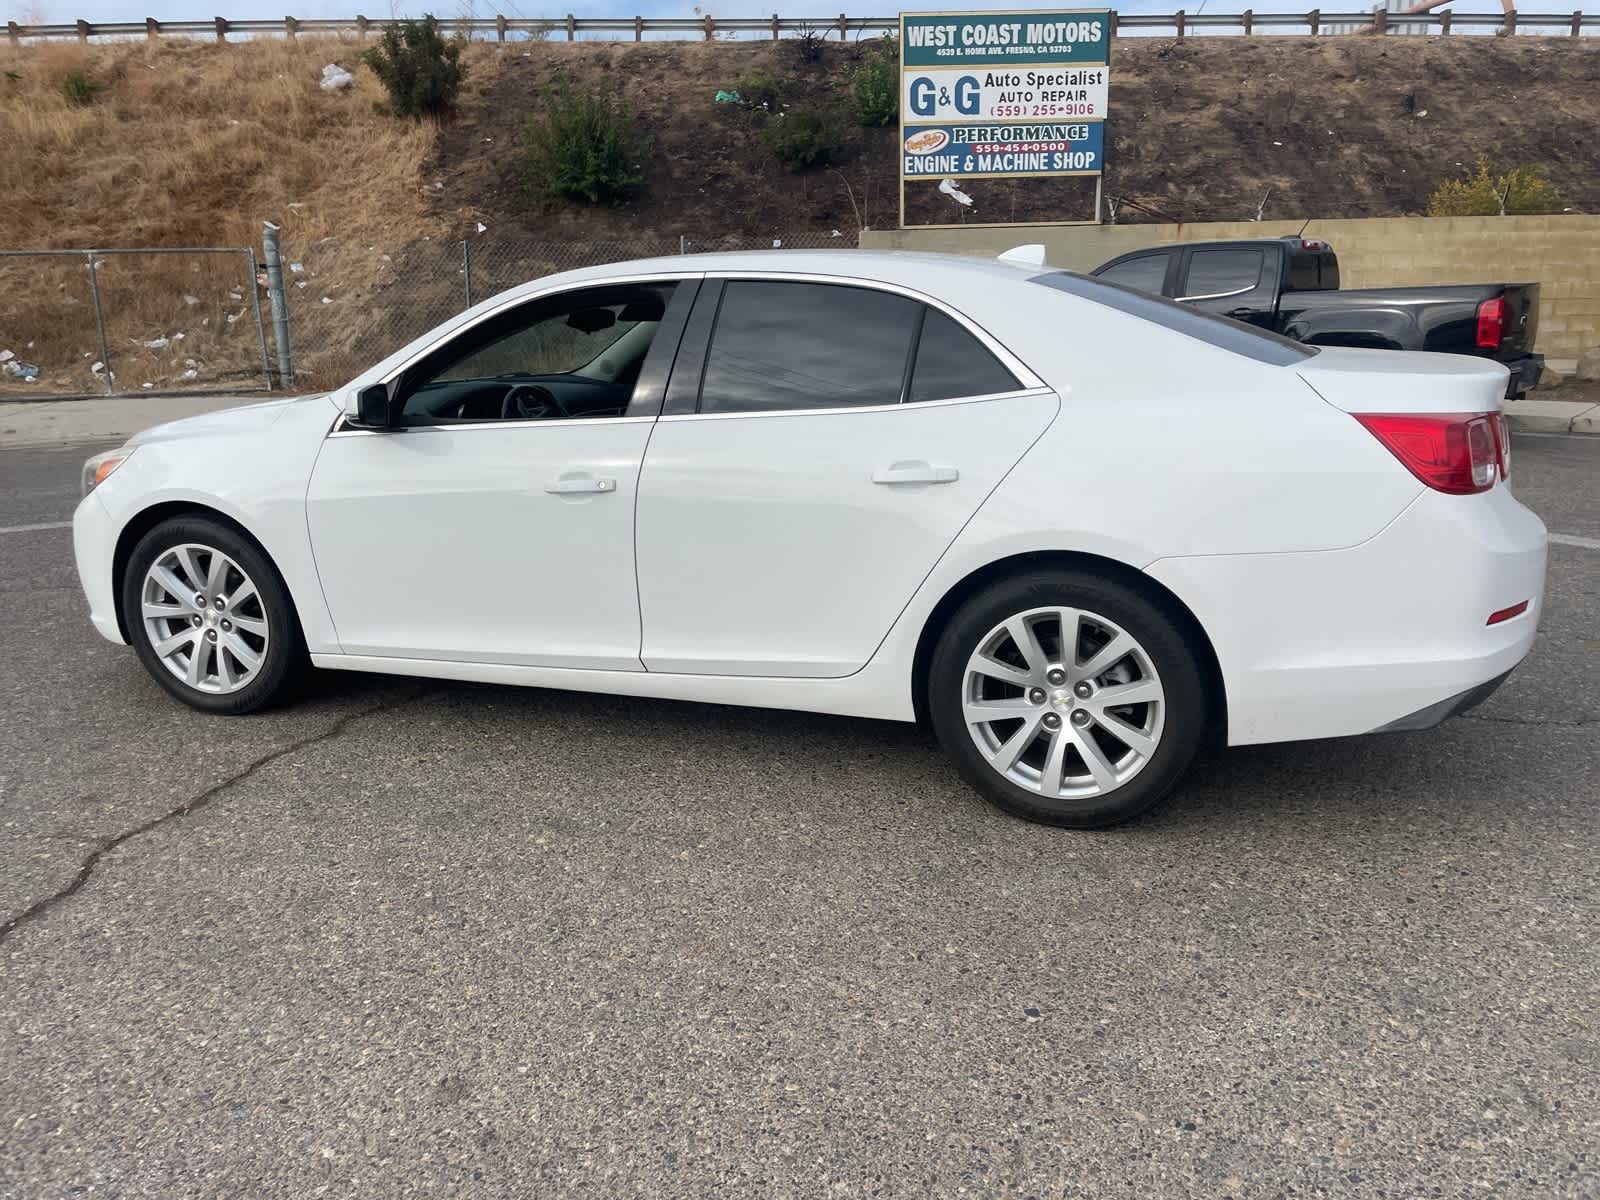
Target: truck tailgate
[1521,321]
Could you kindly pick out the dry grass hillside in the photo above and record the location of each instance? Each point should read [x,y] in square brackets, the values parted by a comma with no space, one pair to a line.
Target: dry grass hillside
[197,143]
[192,143]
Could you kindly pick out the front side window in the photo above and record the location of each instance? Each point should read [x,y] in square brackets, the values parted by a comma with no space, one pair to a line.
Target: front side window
[577,355]
[1145,272]
[1221,272]
[783,345]
[951,363]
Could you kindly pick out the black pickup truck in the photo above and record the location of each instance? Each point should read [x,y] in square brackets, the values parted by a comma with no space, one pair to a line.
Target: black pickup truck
[1291,286]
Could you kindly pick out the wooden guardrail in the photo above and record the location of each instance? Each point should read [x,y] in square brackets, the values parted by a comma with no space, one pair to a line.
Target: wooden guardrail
[1180,24]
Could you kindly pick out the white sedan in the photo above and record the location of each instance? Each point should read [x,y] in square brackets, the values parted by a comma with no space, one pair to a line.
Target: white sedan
[1077,529]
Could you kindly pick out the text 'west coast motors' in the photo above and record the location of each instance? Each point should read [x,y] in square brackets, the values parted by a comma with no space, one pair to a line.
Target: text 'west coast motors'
[1003,94]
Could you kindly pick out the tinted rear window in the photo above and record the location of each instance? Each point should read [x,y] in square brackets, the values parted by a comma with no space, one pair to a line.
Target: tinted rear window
[1222,332]
[1144,272]
[951,363]
[1223,272]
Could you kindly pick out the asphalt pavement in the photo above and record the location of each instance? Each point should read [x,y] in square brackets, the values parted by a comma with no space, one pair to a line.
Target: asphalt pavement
[422,939]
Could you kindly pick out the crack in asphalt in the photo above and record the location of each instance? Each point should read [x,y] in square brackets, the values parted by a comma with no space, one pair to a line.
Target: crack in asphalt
[87,867]
[1529,721]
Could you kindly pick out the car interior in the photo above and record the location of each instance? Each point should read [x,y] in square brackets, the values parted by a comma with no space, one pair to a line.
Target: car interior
[575,356]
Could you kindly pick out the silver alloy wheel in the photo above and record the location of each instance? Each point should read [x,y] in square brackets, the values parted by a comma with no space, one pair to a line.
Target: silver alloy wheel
[1063,702]
[203,616]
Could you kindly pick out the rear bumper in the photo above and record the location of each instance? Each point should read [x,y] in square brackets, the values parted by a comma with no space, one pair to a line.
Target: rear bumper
[1376,636]
[1452,706]
[1525,372]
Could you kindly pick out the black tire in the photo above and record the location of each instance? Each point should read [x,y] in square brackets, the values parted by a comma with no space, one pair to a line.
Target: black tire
[1161,634]
[284,662]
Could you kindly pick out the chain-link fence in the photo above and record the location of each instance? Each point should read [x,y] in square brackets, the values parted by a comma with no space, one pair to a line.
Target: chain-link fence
[77,323]
[350,306]
[80,323]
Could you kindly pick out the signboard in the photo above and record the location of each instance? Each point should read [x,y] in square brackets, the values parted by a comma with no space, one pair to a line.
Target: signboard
[1003,95]
[962,94]
[1002,151]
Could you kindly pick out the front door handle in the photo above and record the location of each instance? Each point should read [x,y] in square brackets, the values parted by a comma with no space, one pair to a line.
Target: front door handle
[915,472]
[574,485]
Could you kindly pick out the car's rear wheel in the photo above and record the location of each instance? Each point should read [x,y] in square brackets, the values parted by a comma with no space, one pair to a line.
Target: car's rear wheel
[1067,697]
[210,618]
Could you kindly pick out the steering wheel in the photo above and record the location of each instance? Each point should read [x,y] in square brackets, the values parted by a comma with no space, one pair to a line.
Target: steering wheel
[531,402]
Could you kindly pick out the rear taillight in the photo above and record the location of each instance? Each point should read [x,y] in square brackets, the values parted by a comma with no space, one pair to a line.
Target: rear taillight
[1491,323]
[1450,452]
[1502,444]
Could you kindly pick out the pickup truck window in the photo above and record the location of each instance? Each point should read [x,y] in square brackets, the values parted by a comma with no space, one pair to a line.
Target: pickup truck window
[1225,334]
[1144,272]
[1222,272]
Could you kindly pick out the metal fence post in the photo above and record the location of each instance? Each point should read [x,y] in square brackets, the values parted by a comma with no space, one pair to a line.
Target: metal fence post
[280,308]
[466,269]
[255,301]
[99,321]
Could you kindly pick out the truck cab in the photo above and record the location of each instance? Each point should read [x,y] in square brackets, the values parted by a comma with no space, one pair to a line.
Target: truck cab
[1290,285]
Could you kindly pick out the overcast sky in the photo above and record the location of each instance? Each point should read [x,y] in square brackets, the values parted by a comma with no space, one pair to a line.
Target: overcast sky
[61,11]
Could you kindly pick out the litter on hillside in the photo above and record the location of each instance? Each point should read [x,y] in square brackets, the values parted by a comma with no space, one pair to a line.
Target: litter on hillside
[335,77]
[6,356]
[729,98]
[27,372]
[949,188]
[295,267]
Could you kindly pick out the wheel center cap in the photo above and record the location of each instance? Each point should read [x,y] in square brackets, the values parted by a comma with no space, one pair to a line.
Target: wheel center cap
[212,618]
[1062,699]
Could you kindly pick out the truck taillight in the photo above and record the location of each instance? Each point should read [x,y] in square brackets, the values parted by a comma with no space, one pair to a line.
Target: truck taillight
[1457,453]
[1491,322]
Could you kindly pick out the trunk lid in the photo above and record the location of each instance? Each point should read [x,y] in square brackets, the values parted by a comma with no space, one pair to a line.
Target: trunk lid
[1403,381]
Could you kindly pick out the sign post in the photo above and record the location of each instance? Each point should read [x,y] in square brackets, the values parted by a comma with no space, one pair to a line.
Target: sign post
[1003,95]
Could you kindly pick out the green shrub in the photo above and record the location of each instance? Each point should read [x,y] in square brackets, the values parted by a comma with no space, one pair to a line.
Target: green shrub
[417,66]
[1525,189]
[807,137]
[876,84]
[79,89]
[585,146]
[759,88]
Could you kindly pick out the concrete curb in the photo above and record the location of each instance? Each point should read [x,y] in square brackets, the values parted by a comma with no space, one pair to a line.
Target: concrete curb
[53,422]
[1553,416]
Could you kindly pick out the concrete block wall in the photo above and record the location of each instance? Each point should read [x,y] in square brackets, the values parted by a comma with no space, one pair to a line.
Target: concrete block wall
[1560,253]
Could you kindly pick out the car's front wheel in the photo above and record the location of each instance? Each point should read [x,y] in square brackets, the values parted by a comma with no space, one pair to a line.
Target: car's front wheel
[1067,697]
[210,618]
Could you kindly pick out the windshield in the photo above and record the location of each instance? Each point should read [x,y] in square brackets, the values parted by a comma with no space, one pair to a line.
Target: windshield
[1222,332]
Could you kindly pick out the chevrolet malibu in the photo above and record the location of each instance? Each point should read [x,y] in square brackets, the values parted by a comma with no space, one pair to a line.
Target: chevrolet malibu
[1078,530]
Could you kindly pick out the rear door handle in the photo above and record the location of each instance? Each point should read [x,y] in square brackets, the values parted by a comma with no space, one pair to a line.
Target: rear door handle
[574,485]
[915,472]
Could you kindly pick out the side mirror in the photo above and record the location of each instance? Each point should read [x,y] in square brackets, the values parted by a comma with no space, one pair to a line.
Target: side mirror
[371,409]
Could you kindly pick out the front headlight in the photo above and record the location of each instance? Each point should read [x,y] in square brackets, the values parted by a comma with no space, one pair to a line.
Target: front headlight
[99,468]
